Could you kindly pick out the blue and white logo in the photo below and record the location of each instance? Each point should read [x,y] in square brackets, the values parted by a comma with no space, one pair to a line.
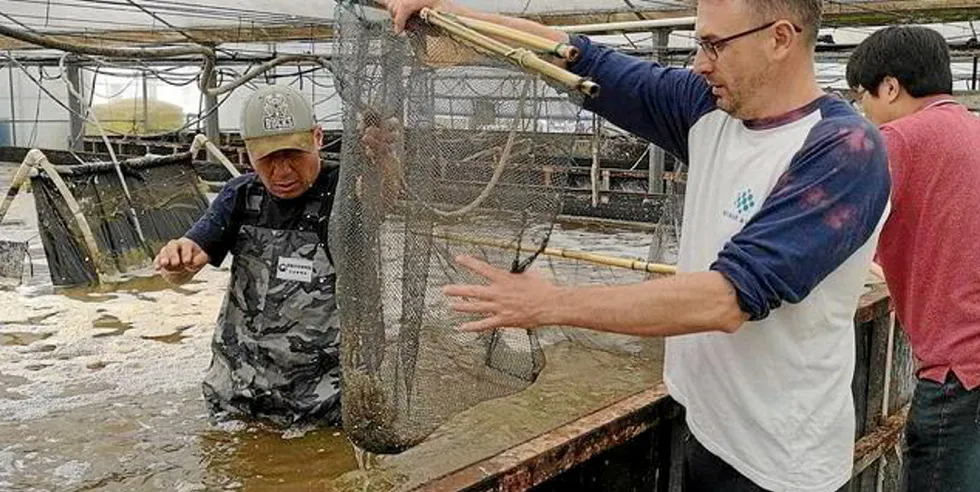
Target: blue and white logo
[743,207]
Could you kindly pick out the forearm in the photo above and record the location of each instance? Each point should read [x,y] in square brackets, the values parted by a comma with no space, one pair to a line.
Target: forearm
[681,304]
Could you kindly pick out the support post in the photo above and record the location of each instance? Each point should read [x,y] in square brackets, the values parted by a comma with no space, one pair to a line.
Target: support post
[974,80]
[211,128]
[657,157]
[76,127]
[13,104]
[146,107]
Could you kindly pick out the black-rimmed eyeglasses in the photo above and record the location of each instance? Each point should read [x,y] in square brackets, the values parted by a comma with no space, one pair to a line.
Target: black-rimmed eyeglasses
[711,48]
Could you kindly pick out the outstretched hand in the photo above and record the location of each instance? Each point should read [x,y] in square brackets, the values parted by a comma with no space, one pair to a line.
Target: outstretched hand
[511,300]
[181,255]
[180,260]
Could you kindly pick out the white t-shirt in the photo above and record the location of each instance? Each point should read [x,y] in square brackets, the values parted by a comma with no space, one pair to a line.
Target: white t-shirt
[788,209]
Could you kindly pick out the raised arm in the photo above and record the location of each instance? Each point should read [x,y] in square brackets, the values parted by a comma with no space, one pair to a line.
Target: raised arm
[655,102]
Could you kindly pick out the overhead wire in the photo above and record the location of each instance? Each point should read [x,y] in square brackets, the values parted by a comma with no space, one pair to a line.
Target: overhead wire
[207,54]
[90,116]
[202,114]
[183,9]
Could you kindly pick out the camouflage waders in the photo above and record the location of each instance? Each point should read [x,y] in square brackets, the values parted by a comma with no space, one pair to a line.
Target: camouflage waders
[276,349]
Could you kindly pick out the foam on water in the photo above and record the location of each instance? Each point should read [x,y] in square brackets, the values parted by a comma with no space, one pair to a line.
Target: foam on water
[124,412]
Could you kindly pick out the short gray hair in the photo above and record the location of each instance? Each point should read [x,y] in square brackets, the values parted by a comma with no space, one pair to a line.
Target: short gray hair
[806,14]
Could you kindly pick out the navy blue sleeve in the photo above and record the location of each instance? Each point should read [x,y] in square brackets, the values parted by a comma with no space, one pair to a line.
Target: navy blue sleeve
[654,102]
[825,206]
[216,231]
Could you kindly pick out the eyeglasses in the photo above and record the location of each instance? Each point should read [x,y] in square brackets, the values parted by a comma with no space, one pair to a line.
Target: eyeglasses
[711,48]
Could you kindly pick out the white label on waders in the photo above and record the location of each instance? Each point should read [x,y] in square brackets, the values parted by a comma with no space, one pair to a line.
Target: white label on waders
[298,269]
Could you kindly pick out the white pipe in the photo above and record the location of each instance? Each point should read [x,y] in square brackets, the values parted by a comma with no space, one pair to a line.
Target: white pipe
[628,26]
[23,172]
[90,115]
[889,361]
[202,141]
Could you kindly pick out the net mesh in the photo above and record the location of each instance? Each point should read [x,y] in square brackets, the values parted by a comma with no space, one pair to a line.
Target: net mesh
[165,196]
[12,254]
[482,169]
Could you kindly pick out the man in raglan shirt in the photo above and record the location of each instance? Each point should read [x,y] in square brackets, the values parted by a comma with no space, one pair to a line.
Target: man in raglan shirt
[785,196]
[928,247]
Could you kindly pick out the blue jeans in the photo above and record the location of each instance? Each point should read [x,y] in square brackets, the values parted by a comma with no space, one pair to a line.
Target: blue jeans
[942,438]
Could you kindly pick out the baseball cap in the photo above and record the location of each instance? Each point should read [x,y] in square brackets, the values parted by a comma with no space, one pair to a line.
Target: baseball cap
[276,118]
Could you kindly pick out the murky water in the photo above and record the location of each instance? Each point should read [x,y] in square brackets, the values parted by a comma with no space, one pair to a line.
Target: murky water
[99,390]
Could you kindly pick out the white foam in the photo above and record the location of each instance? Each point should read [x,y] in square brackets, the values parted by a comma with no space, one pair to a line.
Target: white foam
[132,365]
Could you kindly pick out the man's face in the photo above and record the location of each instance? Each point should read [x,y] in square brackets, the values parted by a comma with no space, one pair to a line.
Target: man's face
[738,68]
[289,173]
[879,108]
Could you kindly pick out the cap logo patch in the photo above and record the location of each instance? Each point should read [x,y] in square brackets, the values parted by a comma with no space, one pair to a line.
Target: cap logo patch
[277,115]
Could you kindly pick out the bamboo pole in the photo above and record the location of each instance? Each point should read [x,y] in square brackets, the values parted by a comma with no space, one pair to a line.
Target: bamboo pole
[562,50]
[519,56]
[629,26]
[598,259]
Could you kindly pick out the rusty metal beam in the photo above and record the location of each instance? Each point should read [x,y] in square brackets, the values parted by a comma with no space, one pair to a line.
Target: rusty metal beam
[835,14]
[874,303]
[211,36]
[544,457]
[873,446]
[900,11]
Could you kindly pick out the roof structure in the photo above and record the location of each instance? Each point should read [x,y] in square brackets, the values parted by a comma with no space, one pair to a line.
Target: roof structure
[158,22]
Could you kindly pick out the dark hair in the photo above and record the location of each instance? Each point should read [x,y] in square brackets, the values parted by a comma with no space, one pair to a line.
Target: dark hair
[807,13]
[918,57]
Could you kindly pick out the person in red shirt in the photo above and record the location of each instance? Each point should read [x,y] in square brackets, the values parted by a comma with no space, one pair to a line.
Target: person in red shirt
[928,249]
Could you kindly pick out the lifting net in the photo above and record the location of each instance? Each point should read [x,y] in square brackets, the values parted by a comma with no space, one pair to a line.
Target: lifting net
[483,157]
[164,201]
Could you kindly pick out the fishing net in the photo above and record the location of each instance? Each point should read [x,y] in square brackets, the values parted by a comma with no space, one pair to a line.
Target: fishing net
[12,255]
[164,201]
[483,160]
[666,241]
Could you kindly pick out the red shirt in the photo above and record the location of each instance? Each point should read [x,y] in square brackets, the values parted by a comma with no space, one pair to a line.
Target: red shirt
[930,245]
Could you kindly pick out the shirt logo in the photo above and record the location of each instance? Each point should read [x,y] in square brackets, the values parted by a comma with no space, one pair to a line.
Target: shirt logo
[297,269]
[742,207]
[277,115]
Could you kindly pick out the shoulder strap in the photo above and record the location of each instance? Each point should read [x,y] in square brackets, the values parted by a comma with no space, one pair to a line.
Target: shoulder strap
[255,196]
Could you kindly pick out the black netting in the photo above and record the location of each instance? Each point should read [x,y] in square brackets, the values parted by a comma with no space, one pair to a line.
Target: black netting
[166,199]
[485,153]
[12,255]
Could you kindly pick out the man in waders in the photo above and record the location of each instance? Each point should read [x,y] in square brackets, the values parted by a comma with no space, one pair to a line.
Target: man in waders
[276,349]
